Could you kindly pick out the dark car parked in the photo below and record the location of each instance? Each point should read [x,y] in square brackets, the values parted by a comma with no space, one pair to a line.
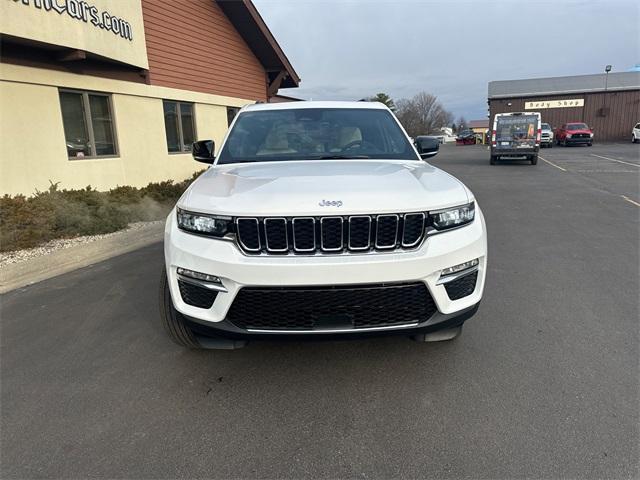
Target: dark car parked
[466,137]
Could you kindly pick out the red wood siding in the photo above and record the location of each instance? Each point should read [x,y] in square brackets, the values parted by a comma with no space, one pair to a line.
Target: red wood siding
[192,45]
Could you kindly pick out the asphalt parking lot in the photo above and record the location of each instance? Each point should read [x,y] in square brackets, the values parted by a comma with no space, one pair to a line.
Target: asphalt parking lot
[543,383]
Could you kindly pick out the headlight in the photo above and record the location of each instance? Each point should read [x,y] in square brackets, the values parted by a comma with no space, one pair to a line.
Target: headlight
[568,135]
[203,224]
[454,217]
[591,135]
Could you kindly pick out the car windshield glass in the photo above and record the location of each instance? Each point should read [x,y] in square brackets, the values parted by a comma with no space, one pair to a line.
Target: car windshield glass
[520,127]
[577,126]
[315,134]
[546,126]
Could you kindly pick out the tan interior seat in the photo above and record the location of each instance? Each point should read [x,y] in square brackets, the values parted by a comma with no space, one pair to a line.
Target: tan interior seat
[276,142]
[347,135]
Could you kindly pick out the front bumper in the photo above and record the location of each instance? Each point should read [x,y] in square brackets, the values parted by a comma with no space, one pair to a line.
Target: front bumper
[578,141]
[514,152]
[237,270]
[546,140]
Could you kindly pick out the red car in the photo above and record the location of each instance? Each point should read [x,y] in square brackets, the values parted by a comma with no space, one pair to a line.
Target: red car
[574,134]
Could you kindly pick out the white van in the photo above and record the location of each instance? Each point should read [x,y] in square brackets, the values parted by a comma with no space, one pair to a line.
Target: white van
[516,135]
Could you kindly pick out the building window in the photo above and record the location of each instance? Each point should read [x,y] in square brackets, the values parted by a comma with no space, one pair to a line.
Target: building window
[88,124]
[179,126]
[231,114]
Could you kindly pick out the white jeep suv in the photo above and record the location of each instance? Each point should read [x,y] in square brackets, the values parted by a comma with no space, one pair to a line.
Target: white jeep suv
[316,220]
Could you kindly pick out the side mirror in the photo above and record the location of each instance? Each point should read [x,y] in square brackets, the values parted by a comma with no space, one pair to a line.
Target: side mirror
[427,146]
[203,151]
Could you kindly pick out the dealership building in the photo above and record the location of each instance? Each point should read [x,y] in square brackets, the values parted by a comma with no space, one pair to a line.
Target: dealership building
[609,104]
[106,93]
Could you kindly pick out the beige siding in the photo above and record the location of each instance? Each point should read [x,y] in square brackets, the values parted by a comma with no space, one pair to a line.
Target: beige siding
[32,143]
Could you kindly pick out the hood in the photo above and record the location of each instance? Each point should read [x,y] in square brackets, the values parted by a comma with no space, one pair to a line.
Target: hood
[323,187]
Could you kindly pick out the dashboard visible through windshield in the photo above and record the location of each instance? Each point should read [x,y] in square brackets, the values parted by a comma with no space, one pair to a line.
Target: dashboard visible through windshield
[315,134]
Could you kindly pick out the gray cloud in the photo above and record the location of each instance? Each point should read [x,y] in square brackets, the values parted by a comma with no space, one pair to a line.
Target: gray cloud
[348,49]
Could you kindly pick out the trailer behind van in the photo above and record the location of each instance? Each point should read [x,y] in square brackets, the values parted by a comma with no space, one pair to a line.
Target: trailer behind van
[516,135]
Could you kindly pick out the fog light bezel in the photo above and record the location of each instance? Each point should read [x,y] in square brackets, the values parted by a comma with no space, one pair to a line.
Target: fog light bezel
[454,272]
[212,282]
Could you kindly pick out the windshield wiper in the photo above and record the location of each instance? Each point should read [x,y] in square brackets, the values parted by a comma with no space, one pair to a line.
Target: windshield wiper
[341,157]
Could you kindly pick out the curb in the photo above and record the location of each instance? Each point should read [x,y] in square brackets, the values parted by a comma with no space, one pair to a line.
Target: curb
[41,268]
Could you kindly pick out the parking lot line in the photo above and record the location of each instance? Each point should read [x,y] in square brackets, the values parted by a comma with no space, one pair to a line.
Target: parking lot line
[551,163]
[614,160]
[630,201]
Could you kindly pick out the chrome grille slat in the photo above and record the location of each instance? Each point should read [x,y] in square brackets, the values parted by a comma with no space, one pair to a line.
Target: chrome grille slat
[353,233]
[299,237]
[276,229]
[332,234]
[247,228]
[408,218]
[383,229]
[326,235]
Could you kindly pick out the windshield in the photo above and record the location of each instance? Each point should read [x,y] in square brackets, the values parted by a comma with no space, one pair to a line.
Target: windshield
[577,126]
[545,126]
[314,134]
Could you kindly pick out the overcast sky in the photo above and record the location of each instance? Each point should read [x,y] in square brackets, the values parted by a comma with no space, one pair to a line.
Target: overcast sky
[349,49]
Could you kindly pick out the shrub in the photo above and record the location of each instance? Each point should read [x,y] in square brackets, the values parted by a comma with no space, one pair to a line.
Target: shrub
[29,222]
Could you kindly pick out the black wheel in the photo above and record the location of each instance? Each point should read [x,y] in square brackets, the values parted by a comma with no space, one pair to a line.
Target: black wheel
[493,160]
[589,144]
[534,160]
[550,144]
[172,320]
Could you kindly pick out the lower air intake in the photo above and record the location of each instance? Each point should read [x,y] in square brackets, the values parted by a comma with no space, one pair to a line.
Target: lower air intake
[326,308]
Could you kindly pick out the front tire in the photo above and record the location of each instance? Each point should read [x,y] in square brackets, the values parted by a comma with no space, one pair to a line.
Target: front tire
[589,144]
[172,320]
[493,160]
[534,160]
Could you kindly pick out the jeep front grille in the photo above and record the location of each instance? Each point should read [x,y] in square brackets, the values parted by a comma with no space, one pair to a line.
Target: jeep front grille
[330,235]
[342,307]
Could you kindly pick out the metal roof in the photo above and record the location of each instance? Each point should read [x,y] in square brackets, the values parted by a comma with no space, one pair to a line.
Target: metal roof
[562,85]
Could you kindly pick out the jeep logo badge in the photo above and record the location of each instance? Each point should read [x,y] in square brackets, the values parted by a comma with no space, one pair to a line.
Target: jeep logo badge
[330,203]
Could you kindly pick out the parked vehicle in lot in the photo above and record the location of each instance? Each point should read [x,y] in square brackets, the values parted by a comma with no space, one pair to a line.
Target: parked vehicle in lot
[319,219]
[515,135]
[575,133]
[466,137]
[635,133]
[546,135]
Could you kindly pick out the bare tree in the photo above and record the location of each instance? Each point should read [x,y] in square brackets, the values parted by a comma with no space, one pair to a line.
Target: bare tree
[423,114]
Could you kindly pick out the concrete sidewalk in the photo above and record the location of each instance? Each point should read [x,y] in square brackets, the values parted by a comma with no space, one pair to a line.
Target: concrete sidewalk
[40,268]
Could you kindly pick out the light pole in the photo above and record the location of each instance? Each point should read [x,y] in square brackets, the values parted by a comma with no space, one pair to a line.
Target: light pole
[607,69]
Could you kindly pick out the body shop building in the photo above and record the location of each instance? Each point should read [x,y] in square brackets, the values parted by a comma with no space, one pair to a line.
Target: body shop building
[107,93]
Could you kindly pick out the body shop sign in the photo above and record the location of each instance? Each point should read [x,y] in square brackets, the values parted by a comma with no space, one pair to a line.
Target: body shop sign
[85,12]
[537,104]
